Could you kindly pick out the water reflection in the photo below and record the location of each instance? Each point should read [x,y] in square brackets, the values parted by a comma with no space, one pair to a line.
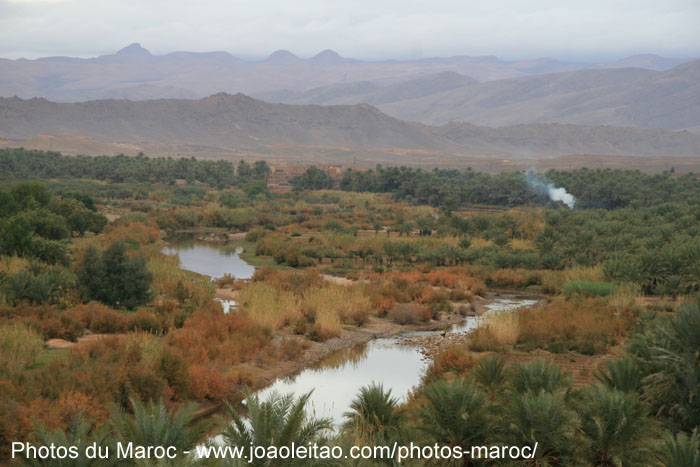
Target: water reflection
[211,259]
[338,378]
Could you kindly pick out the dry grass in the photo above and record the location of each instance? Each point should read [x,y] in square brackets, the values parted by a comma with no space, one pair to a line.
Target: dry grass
[268,306]
[168,277]
[587,325]
[19,347]
[13,264]
[478,242]
[584,273]
[348,304]
[495,332]
[626,296]
[519,244]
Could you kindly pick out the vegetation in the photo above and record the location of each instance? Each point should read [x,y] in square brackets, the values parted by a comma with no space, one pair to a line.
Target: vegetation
[104,338]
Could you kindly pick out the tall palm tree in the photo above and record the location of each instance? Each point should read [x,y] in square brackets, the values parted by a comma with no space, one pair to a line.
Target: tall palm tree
[455,413]
[617,425]
[543,418]
[681,450]
[374,414]
[154,424]
[278,421]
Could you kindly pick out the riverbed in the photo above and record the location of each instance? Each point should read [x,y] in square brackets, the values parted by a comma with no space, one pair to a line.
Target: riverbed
[335,380]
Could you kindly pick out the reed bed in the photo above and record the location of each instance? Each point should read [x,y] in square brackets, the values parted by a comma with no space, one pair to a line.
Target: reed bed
[347,304]
[171,281]
[496,331]
[19,347]
[268,306]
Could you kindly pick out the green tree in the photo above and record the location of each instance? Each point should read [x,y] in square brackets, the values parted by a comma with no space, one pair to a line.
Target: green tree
[255,188]
[30,195]
[261,171]
[16,235]
[313,179]
[115,279]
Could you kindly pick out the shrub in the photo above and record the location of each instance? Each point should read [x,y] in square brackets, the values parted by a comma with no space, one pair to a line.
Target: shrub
[98,318]
[142,320]
[452,362]
[589,289]
[291,349]
[495,331]
[409,313]
[587,325]
[19,347]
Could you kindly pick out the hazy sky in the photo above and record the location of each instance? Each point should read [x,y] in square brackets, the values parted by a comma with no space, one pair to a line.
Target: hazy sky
[370,29]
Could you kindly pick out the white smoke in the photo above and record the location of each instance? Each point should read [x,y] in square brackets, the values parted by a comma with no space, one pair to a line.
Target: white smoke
[539,183]
[560,194]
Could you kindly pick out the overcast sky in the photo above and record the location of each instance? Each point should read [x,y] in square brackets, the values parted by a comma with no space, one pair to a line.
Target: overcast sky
[368,29]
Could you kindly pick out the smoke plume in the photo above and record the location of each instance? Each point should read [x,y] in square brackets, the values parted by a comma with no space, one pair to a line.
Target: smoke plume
[540,184]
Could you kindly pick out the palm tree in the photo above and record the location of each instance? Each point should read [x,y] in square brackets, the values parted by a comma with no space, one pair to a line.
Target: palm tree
[543,418]
[539,375]
[277,421]
[78,434]
[154,424]
[681,450]
[622,375]
[454,413]
[375,415]
[673,359]
[616,423]
[489,372]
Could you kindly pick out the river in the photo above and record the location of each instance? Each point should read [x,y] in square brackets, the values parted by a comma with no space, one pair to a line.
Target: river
[336,379]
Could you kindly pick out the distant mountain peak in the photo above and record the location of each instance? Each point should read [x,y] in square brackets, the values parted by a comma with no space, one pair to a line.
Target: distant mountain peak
[282,56]
[134,49]
[327,57]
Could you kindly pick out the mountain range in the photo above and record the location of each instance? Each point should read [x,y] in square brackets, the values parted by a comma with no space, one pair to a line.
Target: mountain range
[239,121]
[135,73]
[616,96]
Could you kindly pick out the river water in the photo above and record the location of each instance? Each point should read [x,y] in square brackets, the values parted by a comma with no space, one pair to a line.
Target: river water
[336,380]
[212,260]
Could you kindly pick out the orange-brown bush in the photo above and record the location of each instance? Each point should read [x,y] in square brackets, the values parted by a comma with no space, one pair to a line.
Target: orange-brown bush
[450,363]
[46,319]
[228,339]
[131,233]
[143,320]
[410,313]
[98,318]
[587,325]
[291,349]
